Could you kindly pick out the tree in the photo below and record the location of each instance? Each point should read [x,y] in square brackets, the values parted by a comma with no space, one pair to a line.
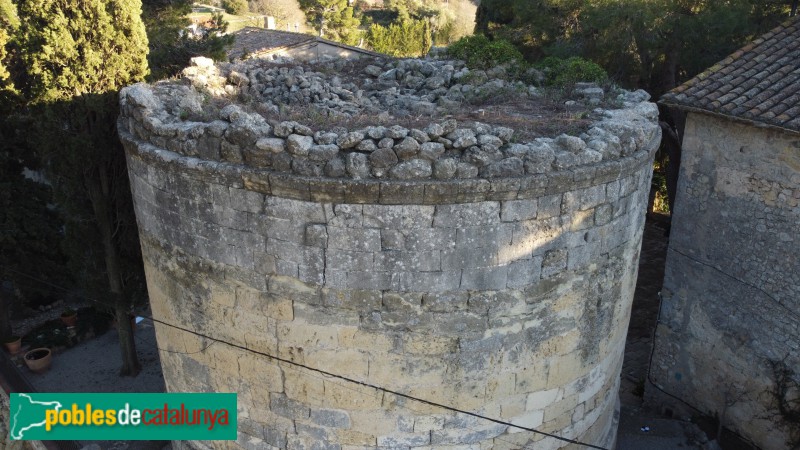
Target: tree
[287,13]
[332,19]
[171,47]
[653,44]
[9,21]
[30,229]
[237,7]
[535,25]
[76,57]
[403,39]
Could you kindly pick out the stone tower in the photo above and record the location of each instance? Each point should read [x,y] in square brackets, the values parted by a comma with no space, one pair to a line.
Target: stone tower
[441,260]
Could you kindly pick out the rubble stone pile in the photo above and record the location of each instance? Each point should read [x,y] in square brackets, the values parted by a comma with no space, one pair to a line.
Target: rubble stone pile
[444,149]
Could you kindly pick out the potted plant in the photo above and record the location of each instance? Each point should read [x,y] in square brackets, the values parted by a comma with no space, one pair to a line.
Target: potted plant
[69,317]
[12,344]
[38,360]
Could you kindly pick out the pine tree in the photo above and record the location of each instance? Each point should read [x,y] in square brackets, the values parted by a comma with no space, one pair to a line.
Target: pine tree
[76,56]
[408,38]
[333,19]
[76,48]
[171,47]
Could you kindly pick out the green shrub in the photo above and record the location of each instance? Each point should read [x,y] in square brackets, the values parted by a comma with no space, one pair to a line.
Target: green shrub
[560,72]
[406,38]
[236,7]
[479,52]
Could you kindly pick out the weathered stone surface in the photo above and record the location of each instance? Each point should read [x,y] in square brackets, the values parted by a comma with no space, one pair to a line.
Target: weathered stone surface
[446,273]
[445,169]
[386,143]
[465,170]
[463,138]
[299,145]
[570,143]
[618,134]
[431,150]
[335,168]
[376,133]
[396,132]
[407,148]
[488,139]
[419,135]
[373,70]
[383,158]
[539,159]
[508,167]
[325,138]
[731,277]
[273,145]
[367,145]
[357,165]
[284,129]
[350,140]
[413,169]
[434,130]
[323,152]
[481,157]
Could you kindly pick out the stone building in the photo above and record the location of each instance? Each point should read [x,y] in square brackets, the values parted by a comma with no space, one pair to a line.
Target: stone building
[443,261]
[728,340]
[252,42]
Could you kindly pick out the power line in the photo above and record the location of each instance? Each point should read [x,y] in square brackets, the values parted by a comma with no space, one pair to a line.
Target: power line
[379,388]
[342,377]
[372,392]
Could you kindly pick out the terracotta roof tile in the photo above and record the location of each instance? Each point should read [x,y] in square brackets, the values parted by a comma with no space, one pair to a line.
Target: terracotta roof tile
[791,113]
[793,124]
[779,109]
[262,40]
[758,82]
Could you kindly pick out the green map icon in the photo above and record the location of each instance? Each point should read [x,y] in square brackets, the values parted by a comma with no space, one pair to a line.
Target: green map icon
[27,413]
[123,416]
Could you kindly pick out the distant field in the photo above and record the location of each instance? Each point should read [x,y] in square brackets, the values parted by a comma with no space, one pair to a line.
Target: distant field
[235,23]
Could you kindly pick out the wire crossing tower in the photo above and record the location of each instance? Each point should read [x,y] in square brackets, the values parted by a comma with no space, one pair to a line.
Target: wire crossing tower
[443,261]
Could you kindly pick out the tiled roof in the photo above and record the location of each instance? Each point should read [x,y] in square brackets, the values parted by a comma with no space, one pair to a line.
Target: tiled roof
[251,40]
[759,82]
[262,40]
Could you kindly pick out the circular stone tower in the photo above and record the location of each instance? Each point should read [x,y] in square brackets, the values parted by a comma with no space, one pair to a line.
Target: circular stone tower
[440,260]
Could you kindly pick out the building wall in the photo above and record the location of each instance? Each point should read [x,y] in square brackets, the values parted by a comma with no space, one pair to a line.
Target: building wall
[731,299]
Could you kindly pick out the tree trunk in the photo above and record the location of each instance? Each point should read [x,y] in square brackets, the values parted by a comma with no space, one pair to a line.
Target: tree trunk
[669,78]
[6,295]
[127,343]
[672,144]
[99,189]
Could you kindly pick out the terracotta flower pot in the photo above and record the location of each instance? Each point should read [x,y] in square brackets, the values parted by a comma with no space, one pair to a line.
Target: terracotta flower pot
[39,359]
[70,318]
[13,344]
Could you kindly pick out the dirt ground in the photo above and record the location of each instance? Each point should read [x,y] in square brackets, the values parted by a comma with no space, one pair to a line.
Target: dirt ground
[93,366]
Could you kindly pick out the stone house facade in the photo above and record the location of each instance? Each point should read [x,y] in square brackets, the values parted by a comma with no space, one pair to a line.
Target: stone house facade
[728,338]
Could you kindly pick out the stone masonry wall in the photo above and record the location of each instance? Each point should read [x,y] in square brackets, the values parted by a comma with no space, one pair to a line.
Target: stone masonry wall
[508,296]
[731,291]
